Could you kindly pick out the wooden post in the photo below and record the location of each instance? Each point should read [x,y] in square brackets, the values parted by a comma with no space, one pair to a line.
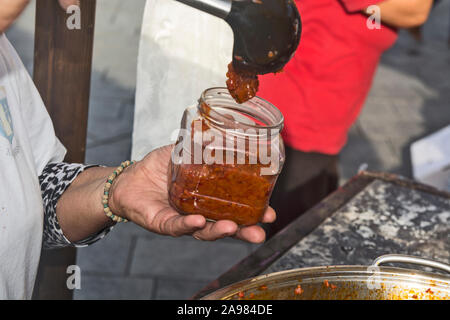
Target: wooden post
[62,73]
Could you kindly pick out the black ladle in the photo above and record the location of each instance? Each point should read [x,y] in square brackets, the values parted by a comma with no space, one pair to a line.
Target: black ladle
[266,32]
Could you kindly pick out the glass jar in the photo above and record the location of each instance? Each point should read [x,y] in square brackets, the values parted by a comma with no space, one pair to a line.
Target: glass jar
[227,158]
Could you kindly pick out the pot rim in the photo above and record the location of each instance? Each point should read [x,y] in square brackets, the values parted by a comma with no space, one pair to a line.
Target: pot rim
[341,273]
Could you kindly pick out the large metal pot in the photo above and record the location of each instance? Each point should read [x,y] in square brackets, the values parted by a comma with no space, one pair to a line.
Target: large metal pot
[346,283]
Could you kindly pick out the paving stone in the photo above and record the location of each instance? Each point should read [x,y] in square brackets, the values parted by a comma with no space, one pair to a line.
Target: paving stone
[440,20]
[131,230]
[108,256]
[110,118]
[253,247]
[185,257]
[114,288]
[351,159]
[103,87]
[111,154]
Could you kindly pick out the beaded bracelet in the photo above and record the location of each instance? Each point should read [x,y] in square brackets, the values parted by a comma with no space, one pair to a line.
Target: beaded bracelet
[108,185]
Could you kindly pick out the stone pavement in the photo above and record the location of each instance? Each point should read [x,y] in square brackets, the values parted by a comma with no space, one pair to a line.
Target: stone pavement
[410,99]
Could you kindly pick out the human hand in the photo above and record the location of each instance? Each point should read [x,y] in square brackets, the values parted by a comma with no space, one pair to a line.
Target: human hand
[140,195]
[67,3]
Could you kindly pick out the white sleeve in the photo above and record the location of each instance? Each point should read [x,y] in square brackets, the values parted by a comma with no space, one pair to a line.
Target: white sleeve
[46,147]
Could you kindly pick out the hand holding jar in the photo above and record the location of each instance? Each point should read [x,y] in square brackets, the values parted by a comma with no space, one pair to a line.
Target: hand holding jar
[227,159]
[140,195]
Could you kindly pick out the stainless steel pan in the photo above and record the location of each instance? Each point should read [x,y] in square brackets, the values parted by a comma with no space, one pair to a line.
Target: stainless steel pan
[375,282]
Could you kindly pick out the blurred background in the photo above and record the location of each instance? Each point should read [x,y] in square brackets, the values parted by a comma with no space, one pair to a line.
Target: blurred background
[409,100]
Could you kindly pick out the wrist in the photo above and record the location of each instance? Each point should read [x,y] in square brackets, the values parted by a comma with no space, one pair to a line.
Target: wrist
[97,195]
[115,191]
[115,195]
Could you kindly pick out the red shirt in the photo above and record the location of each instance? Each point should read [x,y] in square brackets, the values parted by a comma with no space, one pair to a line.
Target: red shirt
[323,88]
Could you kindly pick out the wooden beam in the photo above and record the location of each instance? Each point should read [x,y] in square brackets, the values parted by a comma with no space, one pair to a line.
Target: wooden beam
[62,73]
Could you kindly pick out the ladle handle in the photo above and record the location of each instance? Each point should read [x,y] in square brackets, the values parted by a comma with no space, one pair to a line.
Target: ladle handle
[218,8]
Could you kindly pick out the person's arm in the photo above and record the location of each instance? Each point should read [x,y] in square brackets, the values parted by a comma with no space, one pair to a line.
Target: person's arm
[140,195]
[404,13]
[54,180]
[9,11]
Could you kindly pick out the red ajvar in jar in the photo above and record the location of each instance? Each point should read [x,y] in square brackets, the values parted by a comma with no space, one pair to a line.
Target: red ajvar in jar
[227,158]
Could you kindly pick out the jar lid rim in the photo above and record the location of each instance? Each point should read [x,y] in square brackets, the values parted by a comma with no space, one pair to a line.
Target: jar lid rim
[223,92]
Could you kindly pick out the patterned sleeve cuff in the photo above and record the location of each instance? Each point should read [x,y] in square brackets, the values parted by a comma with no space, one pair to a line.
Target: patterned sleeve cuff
[54,180]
